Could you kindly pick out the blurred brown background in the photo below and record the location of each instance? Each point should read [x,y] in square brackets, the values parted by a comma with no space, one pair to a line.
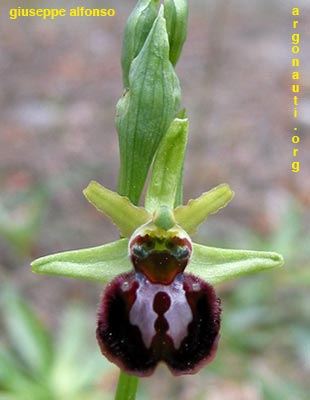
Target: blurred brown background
[60,81]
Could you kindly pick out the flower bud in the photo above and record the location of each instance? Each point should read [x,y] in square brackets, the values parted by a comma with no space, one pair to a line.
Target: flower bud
[146,110]
[176,15]
[137,28]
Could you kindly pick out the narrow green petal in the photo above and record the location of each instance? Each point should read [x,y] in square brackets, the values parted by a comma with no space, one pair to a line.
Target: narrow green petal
[100,263]
[218,265]
[122,212]
[196,211]
[167,168]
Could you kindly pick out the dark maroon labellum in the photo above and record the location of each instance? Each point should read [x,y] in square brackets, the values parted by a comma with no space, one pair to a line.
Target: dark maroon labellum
[158,313]
[141,324]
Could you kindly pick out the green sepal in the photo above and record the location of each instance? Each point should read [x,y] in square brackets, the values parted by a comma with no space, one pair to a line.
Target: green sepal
[176,15]
[190,216]
[119,209]
[146,110]
[216,265]
[137,28]
[168,167]
[100,263]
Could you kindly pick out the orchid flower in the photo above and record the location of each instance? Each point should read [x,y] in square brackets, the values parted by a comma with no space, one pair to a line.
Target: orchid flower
[160,304]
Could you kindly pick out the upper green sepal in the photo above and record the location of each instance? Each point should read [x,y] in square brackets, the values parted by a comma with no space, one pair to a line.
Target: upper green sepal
[100,263]
[122,212]
[168,167]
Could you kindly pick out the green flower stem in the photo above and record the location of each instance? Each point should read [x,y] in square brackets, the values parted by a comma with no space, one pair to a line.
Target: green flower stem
[126,387]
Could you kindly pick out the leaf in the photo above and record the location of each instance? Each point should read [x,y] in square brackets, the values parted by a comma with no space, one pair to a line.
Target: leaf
[11,376]
[218,265]
[190,216]
[29,337]
[18,383]
[119,209]
[146,110]
[100,263]
[168,167]
[75,347]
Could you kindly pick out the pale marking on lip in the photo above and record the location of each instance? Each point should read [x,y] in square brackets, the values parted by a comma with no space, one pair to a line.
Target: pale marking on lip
[178,316]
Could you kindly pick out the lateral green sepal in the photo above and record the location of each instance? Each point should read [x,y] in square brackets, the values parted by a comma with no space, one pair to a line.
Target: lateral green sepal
[190,216]
[168,166]
[218,265]
[119,209]
[100,263]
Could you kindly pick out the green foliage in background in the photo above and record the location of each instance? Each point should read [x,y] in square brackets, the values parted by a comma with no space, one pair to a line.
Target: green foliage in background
[41,363]
[21,214]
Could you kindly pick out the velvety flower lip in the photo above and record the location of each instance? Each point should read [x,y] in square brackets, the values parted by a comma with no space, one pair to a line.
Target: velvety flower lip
[141,324]
[157,313]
